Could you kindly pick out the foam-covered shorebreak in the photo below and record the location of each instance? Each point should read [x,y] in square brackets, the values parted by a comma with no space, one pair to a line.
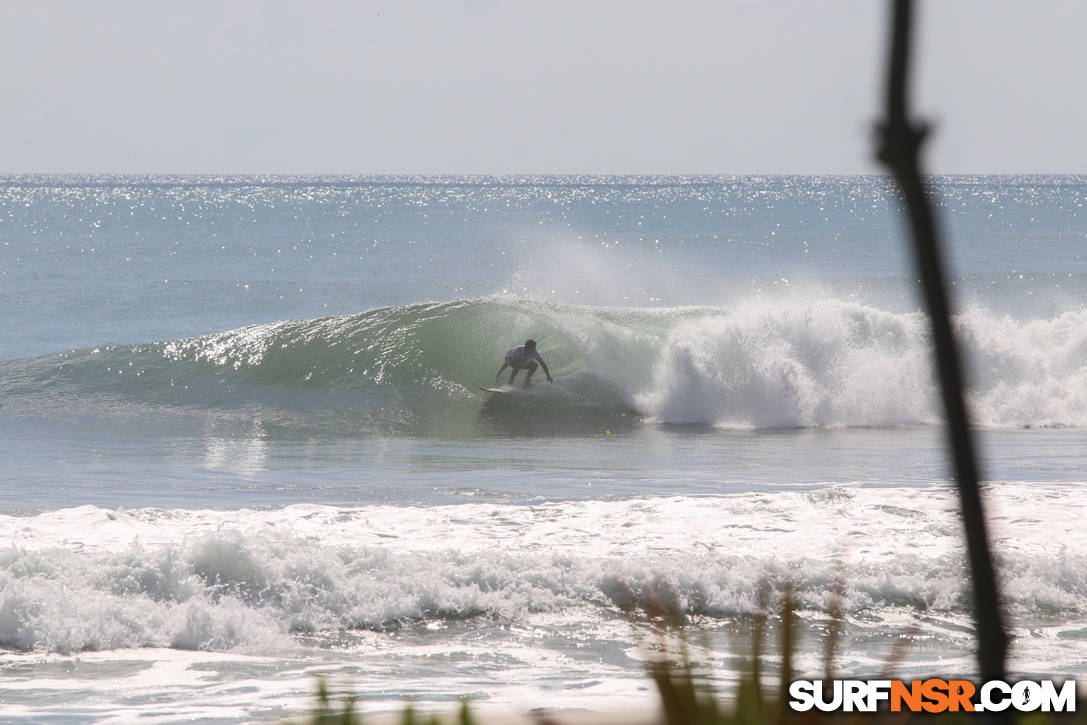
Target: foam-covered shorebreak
[168,614]
[791,362]
[254,581]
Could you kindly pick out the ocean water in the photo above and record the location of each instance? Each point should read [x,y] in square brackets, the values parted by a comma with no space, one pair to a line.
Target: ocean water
[242,440]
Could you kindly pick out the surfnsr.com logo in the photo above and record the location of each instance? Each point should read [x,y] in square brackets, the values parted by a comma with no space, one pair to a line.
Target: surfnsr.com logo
[932,695]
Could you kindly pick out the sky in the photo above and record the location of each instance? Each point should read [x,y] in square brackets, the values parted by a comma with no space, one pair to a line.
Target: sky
[529,87]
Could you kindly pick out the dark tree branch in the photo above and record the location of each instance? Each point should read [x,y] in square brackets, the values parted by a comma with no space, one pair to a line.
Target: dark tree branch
[900,142]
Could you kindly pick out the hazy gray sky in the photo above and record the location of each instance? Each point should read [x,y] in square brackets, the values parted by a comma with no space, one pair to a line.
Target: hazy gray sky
[489,86]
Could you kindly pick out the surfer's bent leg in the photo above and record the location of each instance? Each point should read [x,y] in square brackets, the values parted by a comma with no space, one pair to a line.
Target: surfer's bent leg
[531,367]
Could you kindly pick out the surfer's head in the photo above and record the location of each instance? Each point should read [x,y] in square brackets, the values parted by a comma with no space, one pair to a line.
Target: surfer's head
[530,344]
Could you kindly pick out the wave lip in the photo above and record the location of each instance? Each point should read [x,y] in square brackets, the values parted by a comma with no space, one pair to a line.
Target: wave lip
[789,362]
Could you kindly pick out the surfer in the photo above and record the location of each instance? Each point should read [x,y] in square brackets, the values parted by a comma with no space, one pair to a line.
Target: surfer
[524,357]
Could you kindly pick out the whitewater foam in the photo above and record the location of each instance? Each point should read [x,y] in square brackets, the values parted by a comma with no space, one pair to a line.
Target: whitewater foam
[247,581]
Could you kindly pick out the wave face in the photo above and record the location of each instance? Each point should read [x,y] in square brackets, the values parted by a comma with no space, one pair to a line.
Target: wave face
[416,369]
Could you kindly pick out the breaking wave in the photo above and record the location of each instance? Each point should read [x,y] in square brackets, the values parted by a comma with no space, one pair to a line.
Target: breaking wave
[417,369]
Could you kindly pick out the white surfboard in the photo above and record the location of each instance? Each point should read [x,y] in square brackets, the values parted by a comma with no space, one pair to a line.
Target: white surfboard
[505,389]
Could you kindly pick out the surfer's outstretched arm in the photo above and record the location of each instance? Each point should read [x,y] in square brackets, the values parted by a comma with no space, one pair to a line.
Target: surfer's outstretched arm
[546,371]
[504,366]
